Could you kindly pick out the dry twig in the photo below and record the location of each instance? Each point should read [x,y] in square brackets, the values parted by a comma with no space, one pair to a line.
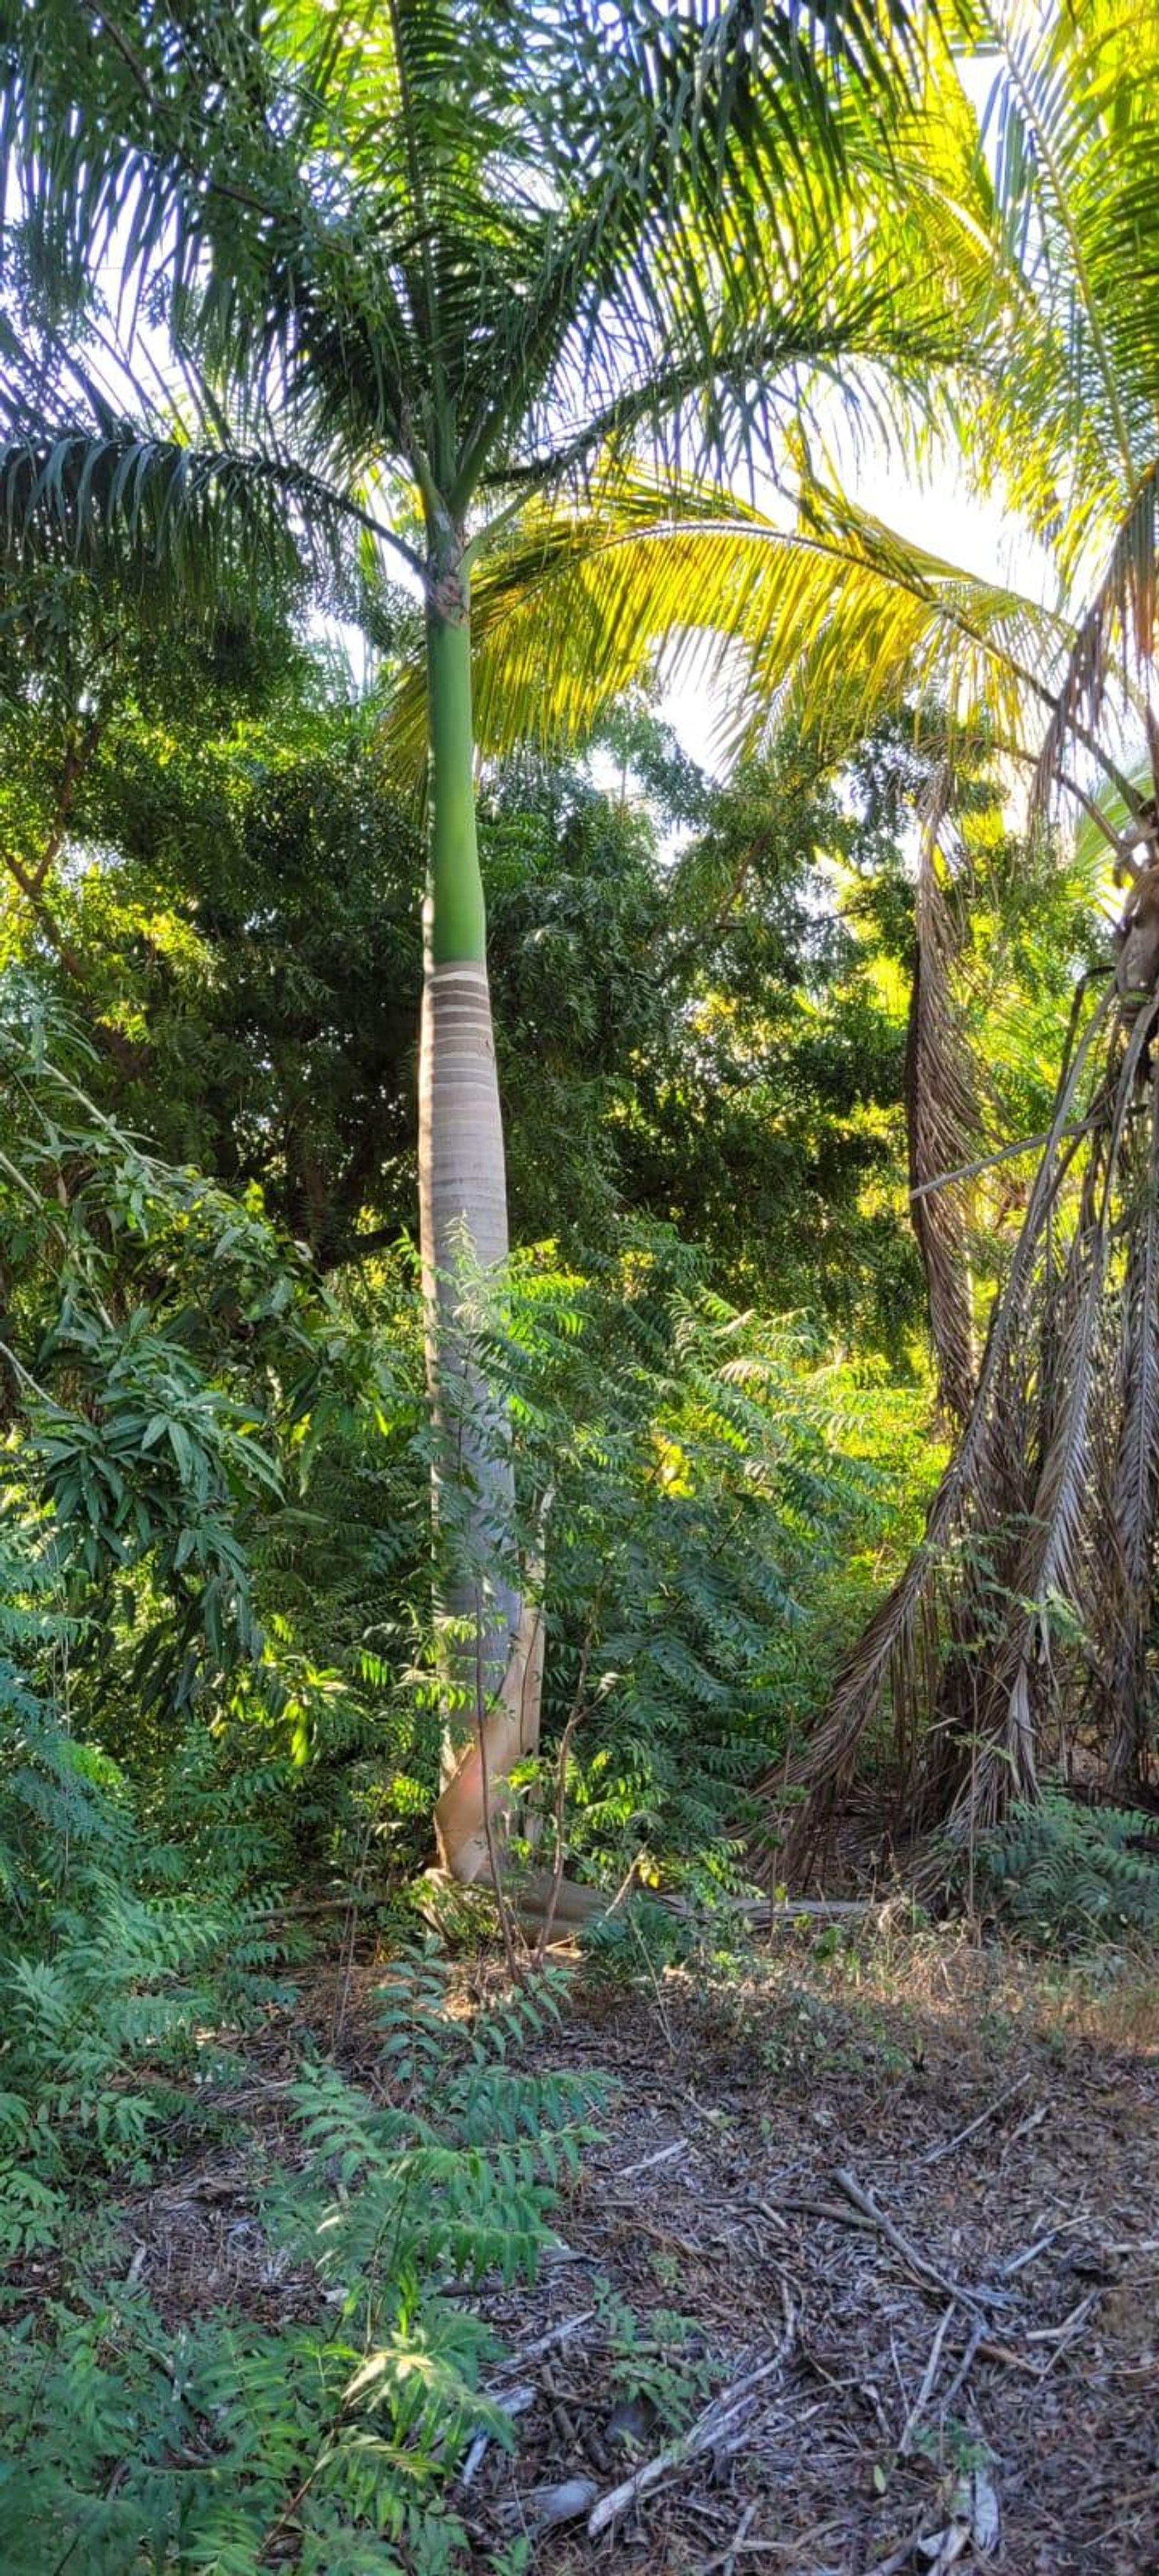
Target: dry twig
[925,2392]
[918,2263]
[946,2146]
[721,2427]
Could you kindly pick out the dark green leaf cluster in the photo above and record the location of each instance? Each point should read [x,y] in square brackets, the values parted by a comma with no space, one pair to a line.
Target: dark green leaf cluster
[339,2429]
[228,890]
[1069,1873]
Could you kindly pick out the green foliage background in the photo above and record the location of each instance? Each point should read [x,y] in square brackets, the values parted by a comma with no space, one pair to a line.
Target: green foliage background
[219,1689]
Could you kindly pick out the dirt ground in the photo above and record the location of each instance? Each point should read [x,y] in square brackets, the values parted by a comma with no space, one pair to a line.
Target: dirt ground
[861,2276]
[925,2188]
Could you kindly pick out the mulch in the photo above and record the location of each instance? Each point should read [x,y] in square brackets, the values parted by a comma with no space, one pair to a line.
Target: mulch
[887,2226]
[765,2137]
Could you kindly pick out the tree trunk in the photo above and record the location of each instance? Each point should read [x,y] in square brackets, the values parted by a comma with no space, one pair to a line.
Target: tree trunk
[491,1719]
[942,1126]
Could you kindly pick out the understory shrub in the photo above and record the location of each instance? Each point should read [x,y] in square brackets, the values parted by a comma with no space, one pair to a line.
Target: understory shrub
[220,1714]
[703,1497]
[215,1504]
[137,2444]
[1065,1872]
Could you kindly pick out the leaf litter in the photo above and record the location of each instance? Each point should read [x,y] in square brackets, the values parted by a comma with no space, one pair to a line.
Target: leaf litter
[860,2278]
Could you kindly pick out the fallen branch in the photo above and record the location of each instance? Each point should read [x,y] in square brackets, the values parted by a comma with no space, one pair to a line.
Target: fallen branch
[548,2342]
[762,1910]
[926,2390]
[918,2263]
[725,2560]
[566,1905]
[831,2209]
[1030,2253]
[513,2401]
[542,2508]
[660,2156]
[977,2344]
[946,2146]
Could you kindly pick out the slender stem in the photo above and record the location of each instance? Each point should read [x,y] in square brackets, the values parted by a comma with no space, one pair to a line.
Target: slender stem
[458,915]
[575,1713]
[77,757]
[30,883]
[488,1823]
[1005,1154]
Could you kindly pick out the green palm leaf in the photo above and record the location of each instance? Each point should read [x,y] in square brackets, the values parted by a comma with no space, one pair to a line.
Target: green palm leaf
[1070,426]
[195,520]
[828,614]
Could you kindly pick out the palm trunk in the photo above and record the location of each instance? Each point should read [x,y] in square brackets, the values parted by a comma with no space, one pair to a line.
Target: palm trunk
[463,1222]
[942,1128]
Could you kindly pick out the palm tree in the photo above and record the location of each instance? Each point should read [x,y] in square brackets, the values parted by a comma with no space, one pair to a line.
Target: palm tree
[1034,1587]
[416,265]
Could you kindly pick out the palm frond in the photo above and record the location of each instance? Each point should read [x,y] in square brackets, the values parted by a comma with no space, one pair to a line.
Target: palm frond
[194,521]
[828,617]
[1115,637]
[432,226]
[1074,140]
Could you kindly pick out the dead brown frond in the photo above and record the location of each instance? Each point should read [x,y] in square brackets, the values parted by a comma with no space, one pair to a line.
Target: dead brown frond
[1119,627]
[942,1117]
[1029,1597]
[1125,1598]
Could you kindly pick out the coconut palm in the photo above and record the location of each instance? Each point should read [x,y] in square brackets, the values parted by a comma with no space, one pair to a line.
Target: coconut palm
[414,266]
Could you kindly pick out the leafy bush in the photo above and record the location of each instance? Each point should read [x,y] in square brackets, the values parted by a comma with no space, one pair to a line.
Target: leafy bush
[702,1489]
[210,1497]
[218,1677]
[99,2030]
[163,2450]
[1066,1871]
[219,1495]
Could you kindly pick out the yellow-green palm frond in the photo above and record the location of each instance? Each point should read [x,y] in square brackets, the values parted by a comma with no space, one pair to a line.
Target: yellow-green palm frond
[824,613]
[1071,132]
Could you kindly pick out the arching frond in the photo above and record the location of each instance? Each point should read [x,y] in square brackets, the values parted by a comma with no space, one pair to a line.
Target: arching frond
[445,230]
[193,521]
[828,614]
[1072,129]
